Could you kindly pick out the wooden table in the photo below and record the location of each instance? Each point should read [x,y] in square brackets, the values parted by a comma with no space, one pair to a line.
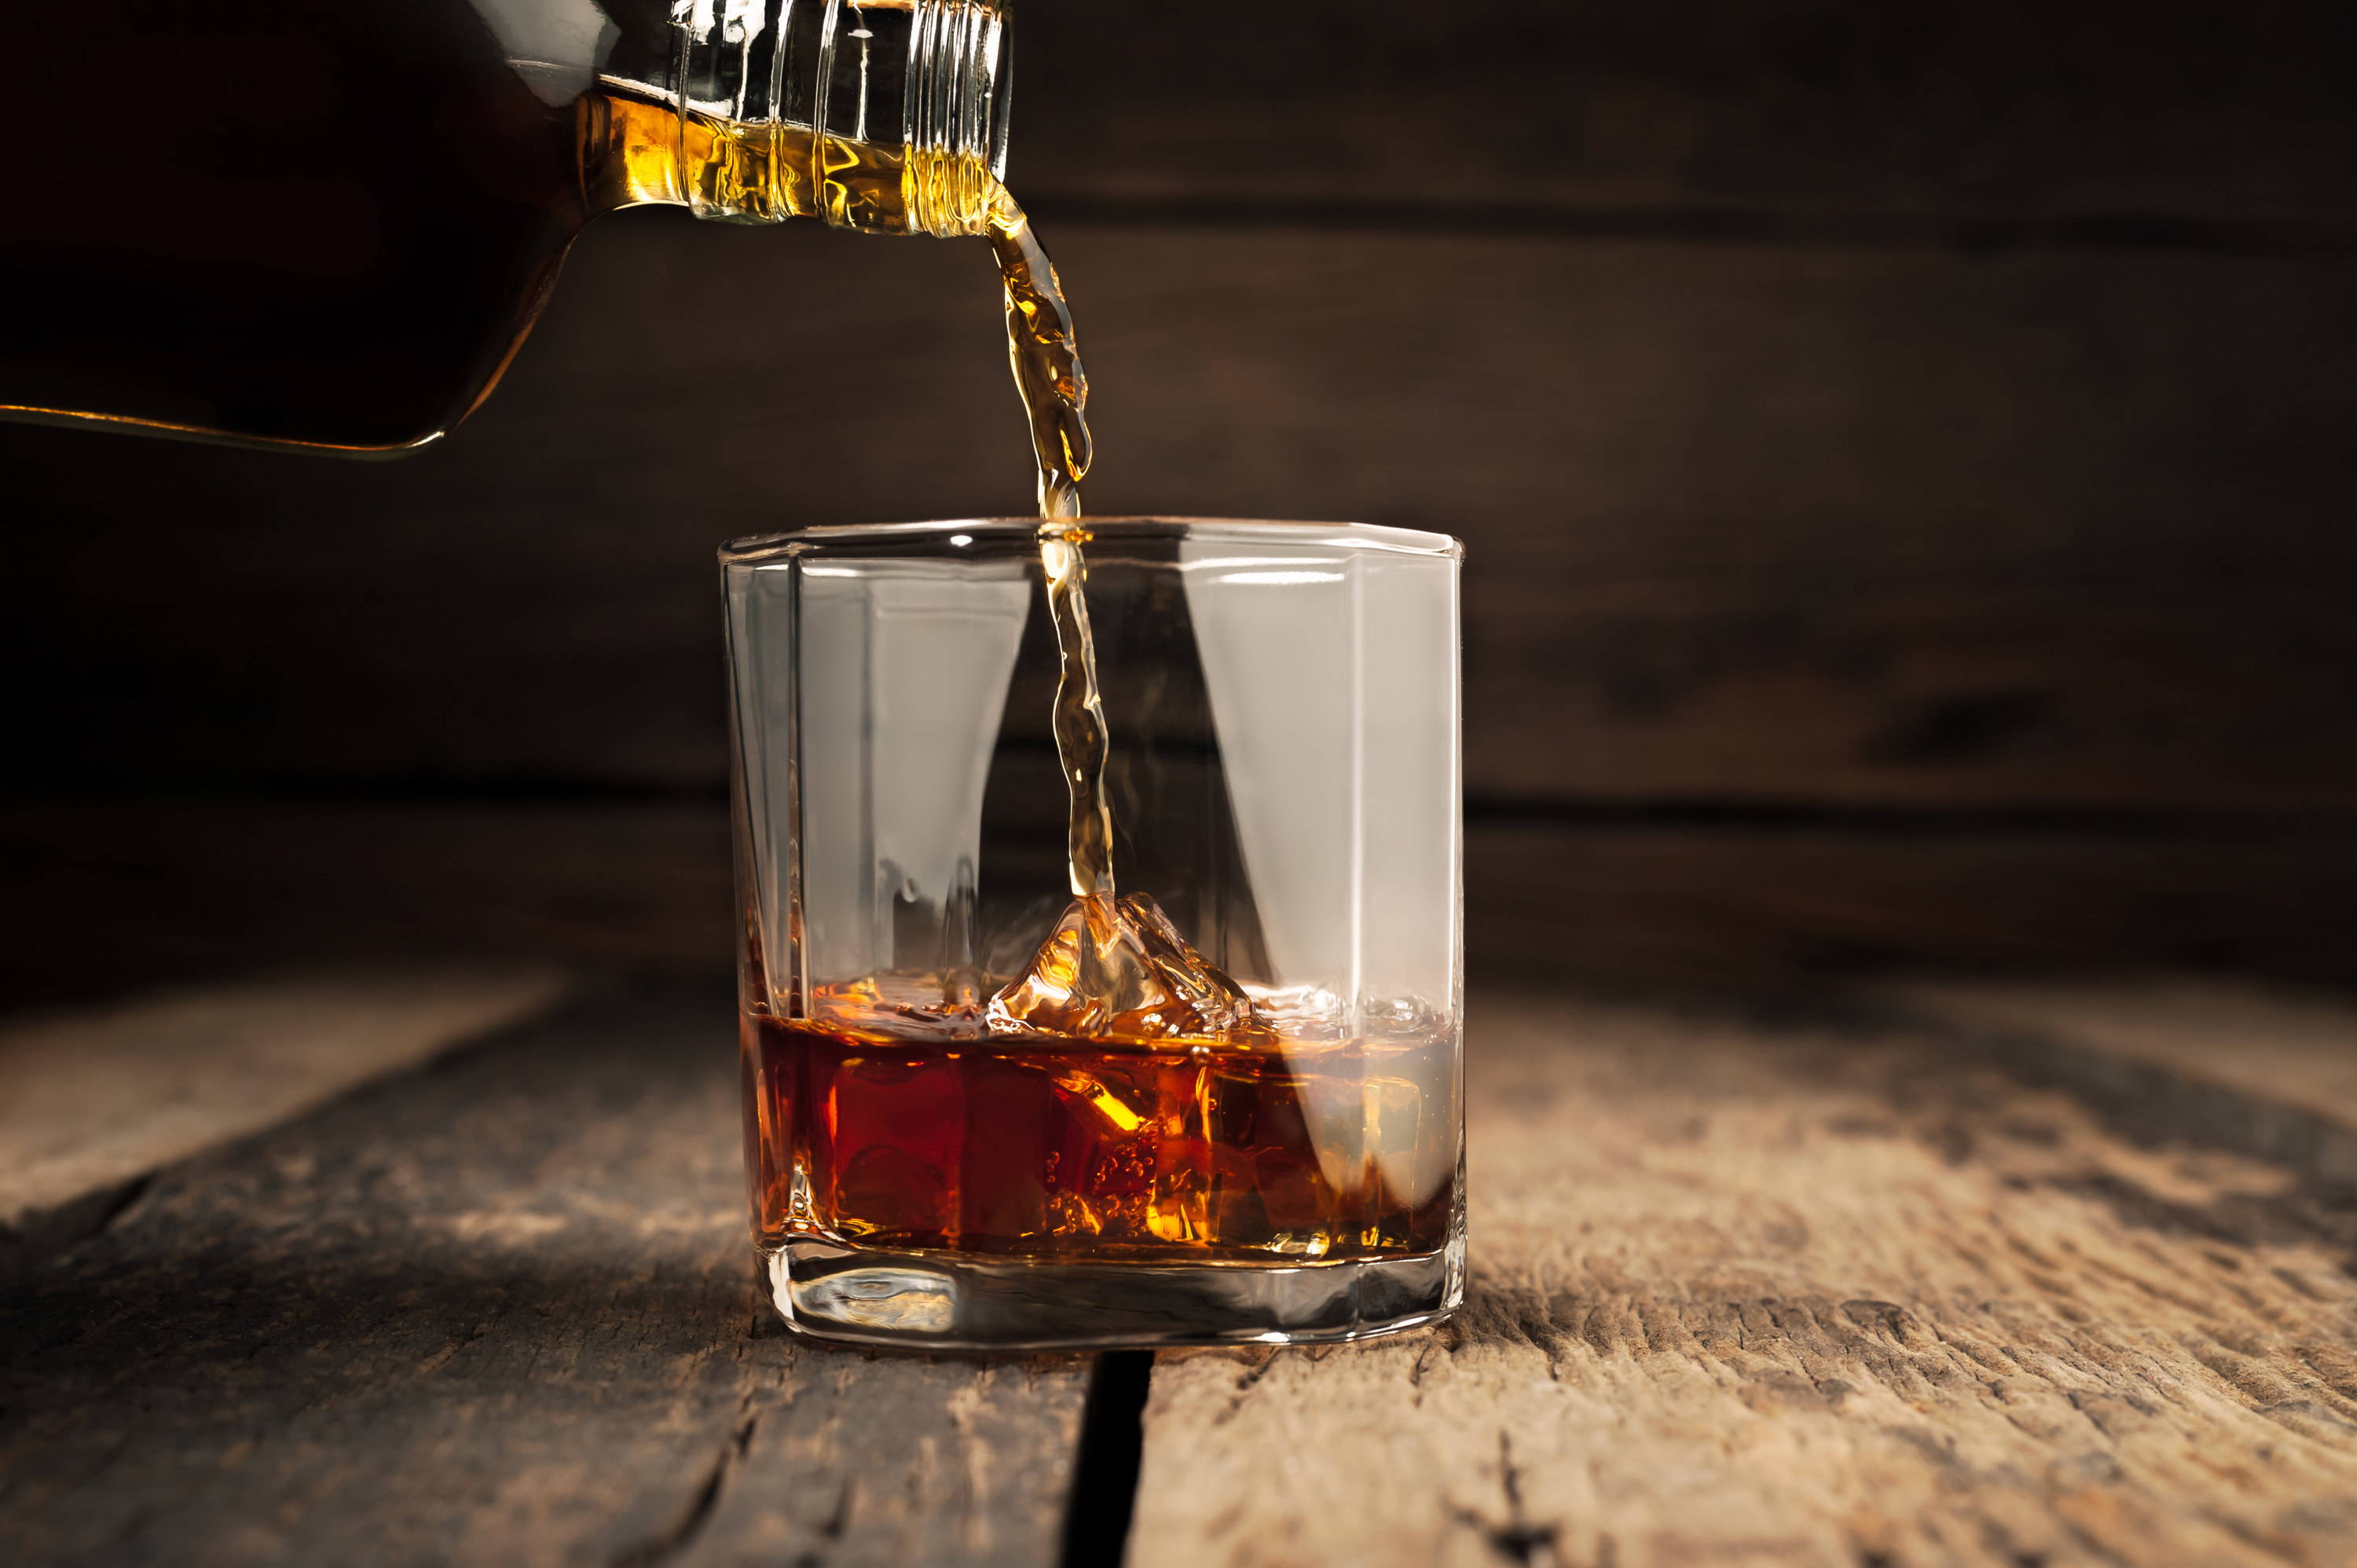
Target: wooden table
[1919,1275]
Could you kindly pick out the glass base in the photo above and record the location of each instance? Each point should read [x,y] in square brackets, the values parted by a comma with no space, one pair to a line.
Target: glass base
[946,1301]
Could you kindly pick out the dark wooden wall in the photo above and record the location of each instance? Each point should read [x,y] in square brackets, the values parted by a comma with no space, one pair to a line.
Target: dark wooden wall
[1908,457]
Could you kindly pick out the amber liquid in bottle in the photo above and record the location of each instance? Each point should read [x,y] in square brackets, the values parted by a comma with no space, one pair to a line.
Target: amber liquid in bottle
[1121,1100]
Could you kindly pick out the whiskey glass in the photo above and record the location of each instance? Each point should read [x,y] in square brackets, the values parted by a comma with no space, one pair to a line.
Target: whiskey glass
[930,1165]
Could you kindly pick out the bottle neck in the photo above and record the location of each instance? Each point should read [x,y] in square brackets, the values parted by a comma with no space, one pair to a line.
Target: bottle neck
[883,115]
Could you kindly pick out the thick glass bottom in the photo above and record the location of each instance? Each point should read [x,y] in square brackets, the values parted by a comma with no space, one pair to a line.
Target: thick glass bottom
[947,1300]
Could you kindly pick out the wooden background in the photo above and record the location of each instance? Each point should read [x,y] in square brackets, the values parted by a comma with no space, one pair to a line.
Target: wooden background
[1906,454]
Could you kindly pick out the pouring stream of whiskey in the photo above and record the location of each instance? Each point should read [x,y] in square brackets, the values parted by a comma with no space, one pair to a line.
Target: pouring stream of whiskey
[1113,967]
[1081,742]
[1046,360]
[1047,364]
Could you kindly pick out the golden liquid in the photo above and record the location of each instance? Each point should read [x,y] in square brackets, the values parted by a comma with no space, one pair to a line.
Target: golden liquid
[635,151]
[1079,720]
[1272,1151]
[735,170]
[364,286]
[1045,359]
[1113,968]
[1121,1098]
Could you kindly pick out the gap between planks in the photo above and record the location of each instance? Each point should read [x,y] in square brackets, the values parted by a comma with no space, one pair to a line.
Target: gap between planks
[1807,1292]
[92,1103]
[499,1312]
[1851,1289]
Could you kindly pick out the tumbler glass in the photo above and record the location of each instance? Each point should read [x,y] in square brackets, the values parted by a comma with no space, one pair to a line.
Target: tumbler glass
[1261,1137]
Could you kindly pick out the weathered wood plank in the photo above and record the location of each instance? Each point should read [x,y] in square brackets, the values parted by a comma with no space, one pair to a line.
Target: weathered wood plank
[1879,531]
[496,1312]
[2255,1043]
[92,1101]
[2262,1071]
[1802,1294]
[198,887]
[2190,106]
[1734,904]
[1908,530]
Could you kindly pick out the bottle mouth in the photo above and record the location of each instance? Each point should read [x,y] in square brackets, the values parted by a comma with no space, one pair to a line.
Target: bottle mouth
[960,83]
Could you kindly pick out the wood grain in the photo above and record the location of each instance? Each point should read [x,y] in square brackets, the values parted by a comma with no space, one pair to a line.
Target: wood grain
[2189,107]
[93,1102]
[1802,1294]
[1825,526]
[1850,412]
[198,888]
[497,1313]
[2256,1043]
[2253,1069]
[1730,902]
[1819,1285]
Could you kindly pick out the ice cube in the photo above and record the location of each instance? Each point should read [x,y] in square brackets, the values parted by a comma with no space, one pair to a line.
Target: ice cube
[1117,970]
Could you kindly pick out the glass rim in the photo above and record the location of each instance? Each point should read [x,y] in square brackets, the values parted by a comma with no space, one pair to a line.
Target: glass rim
[1357,536]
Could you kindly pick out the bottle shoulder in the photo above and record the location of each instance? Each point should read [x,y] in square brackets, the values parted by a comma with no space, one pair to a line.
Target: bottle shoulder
[335,238]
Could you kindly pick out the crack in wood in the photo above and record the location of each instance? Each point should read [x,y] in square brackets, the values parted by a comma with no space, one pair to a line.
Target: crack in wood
[1519,1540]
[1106,1472]
[494,1312]
[698,1512]
[2069,1347]
[1251,1376]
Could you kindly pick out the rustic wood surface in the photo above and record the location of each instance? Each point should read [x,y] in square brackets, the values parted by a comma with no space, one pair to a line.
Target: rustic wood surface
[1973,550]
[1791,1293]
[2189,109]
[2261,1070]
[497,1312]
[1939,412]
[92,1103]
[208,886]
[1841,1281]
[1715,902]
[1756,524]
[642,888]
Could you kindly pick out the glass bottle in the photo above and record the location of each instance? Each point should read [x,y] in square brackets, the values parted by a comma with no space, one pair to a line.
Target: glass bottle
[330,223]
